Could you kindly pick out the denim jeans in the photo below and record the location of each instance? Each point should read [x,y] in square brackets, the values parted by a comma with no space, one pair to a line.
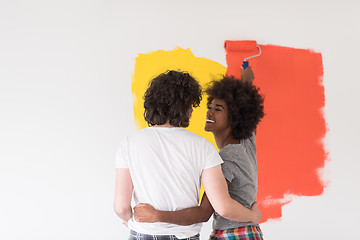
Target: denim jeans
[139,236]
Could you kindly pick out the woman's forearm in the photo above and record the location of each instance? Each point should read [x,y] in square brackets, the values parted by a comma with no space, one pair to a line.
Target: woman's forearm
[184,217]
[147,213]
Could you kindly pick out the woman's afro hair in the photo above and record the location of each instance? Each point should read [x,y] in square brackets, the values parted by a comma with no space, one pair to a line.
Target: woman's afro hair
[245,104]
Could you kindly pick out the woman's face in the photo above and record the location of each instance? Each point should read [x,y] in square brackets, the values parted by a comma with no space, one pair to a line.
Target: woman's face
[217,116]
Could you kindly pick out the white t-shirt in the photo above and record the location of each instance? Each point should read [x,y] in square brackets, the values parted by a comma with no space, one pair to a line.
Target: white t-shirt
[165,166]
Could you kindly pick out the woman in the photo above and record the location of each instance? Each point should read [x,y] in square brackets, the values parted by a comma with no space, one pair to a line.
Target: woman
[234,110]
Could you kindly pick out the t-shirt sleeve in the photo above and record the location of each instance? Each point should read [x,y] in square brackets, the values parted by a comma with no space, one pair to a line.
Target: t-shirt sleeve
[212,157]
[228,170]
[229,167]
[122,156]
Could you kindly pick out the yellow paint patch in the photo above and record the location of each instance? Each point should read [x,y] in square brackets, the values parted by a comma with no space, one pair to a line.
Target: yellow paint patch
[149,65]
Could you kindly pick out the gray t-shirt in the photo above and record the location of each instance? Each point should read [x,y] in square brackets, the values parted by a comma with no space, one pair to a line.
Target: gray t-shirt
[240,169]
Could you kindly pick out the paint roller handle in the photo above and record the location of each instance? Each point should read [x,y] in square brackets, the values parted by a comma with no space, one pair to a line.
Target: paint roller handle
[245,64]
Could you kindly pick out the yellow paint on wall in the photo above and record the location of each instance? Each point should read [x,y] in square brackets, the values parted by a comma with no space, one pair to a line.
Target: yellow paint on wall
[149,65]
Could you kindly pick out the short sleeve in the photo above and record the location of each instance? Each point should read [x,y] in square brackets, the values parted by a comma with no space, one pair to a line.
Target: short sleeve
[228,170]
[122,156]
[212,157]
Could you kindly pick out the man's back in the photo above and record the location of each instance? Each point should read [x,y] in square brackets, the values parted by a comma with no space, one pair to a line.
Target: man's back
[166,166]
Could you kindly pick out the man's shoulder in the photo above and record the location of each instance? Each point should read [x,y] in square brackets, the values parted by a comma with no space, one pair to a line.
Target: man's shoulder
[142,133]
[196,137]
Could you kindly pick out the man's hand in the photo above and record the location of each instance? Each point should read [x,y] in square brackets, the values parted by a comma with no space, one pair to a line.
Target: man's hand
[257,213]
[247,74]
[145,213]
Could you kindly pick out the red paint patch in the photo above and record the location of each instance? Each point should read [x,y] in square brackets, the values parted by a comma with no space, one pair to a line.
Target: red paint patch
[289,138]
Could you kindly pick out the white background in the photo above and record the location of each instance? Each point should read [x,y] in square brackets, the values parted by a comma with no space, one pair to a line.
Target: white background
[66,102]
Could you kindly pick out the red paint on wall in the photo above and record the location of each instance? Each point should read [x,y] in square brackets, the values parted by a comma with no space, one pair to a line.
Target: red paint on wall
[289,139]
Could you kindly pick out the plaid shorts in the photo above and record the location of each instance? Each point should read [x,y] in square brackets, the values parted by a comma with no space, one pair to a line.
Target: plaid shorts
[241,233]
[139,236]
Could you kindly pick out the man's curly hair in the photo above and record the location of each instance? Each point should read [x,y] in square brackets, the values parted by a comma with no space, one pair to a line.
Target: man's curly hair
[245,104]
[169,98]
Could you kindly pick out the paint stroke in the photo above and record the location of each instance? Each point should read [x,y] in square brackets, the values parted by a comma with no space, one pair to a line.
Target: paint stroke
[290,151]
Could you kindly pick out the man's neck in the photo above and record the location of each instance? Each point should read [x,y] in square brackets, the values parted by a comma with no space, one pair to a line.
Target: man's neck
[167,124]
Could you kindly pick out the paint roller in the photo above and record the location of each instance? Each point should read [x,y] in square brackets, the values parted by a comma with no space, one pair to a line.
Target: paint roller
[243,46]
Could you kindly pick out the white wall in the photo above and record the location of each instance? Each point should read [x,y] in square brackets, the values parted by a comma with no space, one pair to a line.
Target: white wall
[65,103]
